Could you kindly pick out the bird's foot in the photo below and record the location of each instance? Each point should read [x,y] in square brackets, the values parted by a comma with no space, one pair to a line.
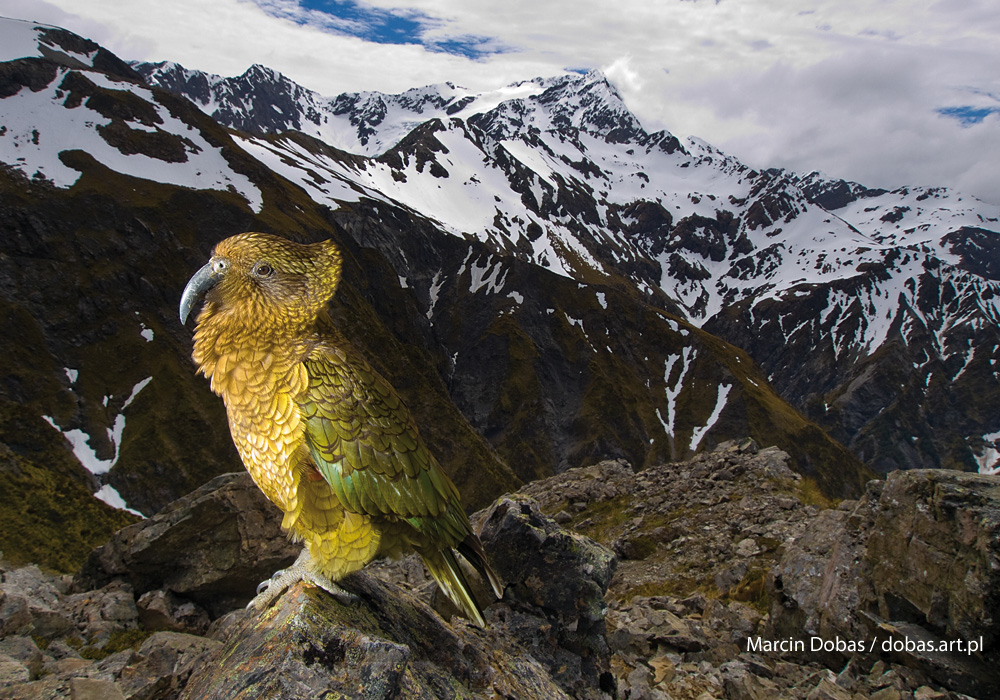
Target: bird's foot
[268,591]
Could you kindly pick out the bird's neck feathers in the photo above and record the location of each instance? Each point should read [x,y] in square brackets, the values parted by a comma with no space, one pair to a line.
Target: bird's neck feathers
[237,344]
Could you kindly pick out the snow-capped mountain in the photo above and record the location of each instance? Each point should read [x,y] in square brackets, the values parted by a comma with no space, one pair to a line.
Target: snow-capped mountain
[546,282]
[804,272]
[263,101]
[523,347]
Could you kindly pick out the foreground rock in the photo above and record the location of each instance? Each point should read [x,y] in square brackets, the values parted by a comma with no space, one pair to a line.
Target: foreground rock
[664,583]
[389,645]
[543,641]
[912,569]
[210,548]
[700,542]
[546,638]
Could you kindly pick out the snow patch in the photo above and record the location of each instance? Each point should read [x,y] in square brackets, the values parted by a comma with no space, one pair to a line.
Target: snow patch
[80,441]
[989,459]
[490,275]
[18,39]
[435,289]
[109,494]
[698,434]
[39,127]
[673,390]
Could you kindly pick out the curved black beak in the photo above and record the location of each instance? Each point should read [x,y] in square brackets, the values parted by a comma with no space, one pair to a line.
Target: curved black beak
[203,280]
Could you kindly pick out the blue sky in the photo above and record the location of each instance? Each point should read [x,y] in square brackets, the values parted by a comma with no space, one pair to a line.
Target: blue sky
[968,115]
[884,92]
[387,26]
[370,23]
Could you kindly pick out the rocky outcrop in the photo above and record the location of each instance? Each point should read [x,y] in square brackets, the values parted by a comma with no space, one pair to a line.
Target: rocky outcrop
[210,548]
[910,570]
[693,606]
[389,644]
[196,560]
[689,580]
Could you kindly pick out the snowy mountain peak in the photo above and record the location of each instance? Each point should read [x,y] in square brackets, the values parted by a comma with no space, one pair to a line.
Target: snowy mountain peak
[264,101]
[819,279]
[20,39]
[591,103]
[259,73]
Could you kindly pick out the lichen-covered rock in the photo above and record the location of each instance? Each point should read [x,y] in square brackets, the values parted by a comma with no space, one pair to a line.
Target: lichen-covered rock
[13,671]
[29,603]
[909,568]
[165,662]
[212,547]
[543,641]
[934,553]
[23,650]
[100,614]
[387,644]
[817,587]
[556,581]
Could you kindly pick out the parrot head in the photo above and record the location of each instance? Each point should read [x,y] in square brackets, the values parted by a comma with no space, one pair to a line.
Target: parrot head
[256,277]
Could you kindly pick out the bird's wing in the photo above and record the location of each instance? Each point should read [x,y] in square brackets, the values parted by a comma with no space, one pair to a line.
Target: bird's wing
[366,446]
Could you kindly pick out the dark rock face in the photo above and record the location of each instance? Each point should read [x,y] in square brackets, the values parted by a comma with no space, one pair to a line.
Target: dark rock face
[561,625]
[912,566]
[211,547]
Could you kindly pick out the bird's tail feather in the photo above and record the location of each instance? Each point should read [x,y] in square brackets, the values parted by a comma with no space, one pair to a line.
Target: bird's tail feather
[472,549]
[448,574]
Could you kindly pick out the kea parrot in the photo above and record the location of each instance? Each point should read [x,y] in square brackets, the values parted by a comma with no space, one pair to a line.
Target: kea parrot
[324,436]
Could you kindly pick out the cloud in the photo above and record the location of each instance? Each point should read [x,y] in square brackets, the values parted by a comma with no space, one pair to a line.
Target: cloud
[872,114]
[620,72]
[853,88]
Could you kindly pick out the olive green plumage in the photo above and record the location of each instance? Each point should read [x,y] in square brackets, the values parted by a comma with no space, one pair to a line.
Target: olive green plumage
[326,437]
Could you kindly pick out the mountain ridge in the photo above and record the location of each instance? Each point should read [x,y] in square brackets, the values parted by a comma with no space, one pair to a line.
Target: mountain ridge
[511,370]
[722,245]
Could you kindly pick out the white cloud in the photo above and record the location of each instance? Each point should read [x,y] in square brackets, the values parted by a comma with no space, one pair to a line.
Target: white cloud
[848,87]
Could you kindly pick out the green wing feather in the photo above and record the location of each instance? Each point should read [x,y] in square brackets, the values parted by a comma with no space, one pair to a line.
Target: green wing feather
[366,446]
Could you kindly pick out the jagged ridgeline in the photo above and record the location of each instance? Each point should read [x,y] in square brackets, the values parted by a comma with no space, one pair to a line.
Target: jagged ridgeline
[873,312]
[522,292]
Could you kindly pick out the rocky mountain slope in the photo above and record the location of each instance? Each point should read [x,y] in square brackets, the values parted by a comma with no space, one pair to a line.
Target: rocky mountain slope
[114,191]
[874,312]
[679,581]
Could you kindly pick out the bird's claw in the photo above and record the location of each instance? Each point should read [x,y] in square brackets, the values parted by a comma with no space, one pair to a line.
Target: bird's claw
[269,590]
[264,585]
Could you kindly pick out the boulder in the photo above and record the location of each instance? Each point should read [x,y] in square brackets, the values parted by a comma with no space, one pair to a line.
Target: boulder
[29,603]
[386,644]
[934,553]
[164,663]
[556,582]
[543,640]
[163,610]
[211,547]
[912,569]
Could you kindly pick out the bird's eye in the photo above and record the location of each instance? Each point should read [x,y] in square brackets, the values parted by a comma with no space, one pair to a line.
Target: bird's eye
[262,269]
[220,266]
